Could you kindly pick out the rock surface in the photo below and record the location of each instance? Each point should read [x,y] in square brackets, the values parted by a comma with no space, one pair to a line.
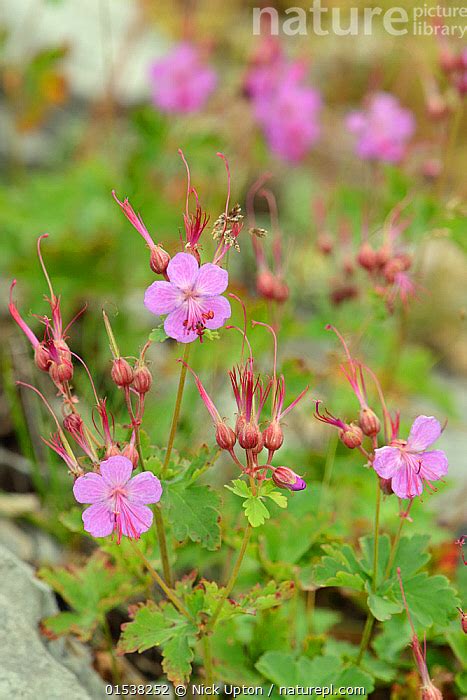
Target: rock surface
[31,667]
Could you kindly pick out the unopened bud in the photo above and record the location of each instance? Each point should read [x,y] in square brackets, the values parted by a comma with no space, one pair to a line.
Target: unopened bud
[131,453]
[273,437]
[42,357]
[369,422]
[73,423]
[430,692]
[367,257]
[142,379]
[112,451]
[285,478]
[122,373]
[265,284]
[386,486]
[351,436]
[225,436]
[325,243]
[61,372]
[159,260]
[249,436]
[281,291]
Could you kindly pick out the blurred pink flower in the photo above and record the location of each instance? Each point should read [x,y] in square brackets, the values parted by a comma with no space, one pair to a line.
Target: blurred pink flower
[191,298]
[383,128]
[289,117]
[181,81]
[118,501]
[408,463]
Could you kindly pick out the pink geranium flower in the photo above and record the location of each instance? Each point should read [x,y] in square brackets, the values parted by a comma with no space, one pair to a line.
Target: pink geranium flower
[118,501]
[182,82]
[382,129]
[191,298]
[408,463]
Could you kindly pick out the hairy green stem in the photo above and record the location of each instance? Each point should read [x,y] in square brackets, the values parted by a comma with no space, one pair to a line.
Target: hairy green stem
[178,404]
[207,656]
[370,618]
[231,582]
[174,599]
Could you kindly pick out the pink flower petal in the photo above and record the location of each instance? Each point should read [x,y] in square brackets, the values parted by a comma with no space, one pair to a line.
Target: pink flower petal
[182,270]
[423,433]
[162,297]
[406,483]
[135,519]
[90,488]
[211,280]
[98,520]
[220,306]
[116,470]
[434,465]
[173,325]
[144,488]
[388,460]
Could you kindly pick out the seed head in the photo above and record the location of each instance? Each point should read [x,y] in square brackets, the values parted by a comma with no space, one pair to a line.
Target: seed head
[225,436]
[351,436]
[159,260]
[367,257]
[142,379]
[273,437]
[369,422]
[42,357]
[122,373]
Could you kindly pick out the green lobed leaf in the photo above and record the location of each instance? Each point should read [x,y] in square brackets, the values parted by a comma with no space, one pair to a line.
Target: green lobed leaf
[193,512]
[158,334]
[162,626]
[255,511]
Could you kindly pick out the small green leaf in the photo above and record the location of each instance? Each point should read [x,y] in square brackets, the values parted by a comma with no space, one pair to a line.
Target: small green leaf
[239,488]
[255,511]
[279,498]
[158,335]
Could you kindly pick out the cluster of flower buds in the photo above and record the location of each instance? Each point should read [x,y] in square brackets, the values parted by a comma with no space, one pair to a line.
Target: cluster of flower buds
[251,394]
[387,264]
[54,356]
[270,282]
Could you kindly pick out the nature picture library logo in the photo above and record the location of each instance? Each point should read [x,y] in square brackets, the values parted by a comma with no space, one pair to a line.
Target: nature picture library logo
[319,20]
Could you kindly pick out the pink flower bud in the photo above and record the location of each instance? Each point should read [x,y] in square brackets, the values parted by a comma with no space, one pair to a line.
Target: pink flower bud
[351,436]
[42,357]
[285,478]
[249,436]
[225,436]
[265,284]
[61,372]
[369,422]
[325,243]
[122,373]
[142,379]
[367,257]
[131,453]
[159,260]
[280,291]
[273,437]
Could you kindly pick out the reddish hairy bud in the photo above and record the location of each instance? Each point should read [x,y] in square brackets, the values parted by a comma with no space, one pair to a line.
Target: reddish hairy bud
[265,284]
[112,451]
[159,260]
[369,422]
[398,263]
[249,436]
[382,255]
[259,445]
[385,486]
[131,453]
[42,357]
[273,437]
[122,372]
[61,372]
[225,436]
[281,291]
[351,436]
[325,243]
[285,478]
[430,692]
[367,257]
[142,379]
[73,423]
[342,292]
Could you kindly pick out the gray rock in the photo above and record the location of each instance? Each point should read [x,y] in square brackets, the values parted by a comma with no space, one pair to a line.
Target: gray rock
[31,667]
